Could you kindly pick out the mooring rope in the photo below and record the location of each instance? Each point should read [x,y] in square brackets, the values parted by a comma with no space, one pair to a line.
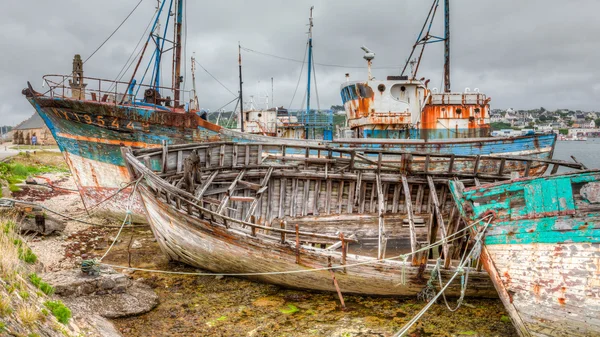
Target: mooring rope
[63,215]
[309,270]
[126,220]
[463,263]
[91,266]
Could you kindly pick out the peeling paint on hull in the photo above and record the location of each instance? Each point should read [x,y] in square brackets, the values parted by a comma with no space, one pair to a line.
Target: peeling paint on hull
[543,250]
[90,134]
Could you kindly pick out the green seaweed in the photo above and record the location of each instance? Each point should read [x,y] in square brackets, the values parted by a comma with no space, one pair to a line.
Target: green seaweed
[291,309]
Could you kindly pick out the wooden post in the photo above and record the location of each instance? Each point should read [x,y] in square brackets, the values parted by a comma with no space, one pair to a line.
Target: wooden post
[253,220]
[344,250]
[337,287]
[438,216]
[381,239]
[297,244]
[282,224]
[411,221]
[165,154]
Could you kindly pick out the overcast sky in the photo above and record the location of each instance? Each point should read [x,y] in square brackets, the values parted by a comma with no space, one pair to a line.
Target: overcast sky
[523,54]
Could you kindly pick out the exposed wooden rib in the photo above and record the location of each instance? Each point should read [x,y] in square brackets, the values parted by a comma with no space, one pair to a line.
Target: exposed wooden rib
[250,185]
[501,169]
[179,161]
[440,220]
[204,187]
[328,197]
[411,221]
[165,154]
[476,166]
[527,168]
[259,193]
[340,195]
[382,239]
[230,192]
[282,186]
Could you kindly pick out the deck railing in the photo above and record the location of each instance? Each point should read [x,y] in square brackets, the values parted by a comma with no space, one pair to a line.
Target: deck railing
[103,90]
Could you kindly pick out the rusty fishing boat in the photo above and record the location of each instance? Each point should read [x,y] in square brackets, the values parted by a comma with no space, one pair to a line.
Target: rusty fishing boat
[91,118]
[273,213]
[542,249]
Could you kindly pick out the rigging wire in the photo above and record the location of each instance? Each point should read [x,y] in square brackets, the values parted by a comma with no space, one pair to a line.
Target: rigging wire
[211,75]
[299,77]
[319,64]
[113,33]
[316,89]
[131,60]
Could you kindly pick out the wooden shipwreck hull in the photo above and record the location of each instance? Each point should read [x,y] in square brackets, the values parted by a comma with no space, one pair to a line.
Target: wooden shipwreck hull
[265,208]
[90,130]
[542,249]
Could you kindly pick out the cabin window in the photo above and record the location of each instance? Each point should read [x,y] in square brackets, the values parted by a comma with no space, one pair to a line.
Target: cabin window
[381,87]
[259,115]
[471,119]
[458,111]
[402,88]
[477,110]
[399,92]
[364,91]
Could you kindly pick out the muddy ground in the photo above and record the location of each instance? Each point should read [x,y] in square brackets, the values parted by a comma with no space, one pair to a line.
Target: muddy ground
[226,306]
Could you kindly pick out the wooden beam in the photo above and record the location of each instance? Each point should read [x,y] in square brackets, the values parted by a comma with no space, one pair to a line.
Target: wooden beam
[411,221]
[259,193]
[381,238]
[204,187]
[438,216]
[230,192]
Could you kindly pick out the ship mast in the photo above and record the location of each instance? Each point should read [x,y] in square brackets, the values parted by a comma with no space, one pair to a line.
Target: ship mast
[310,25]
[447,46]
[177,78]
[241,94]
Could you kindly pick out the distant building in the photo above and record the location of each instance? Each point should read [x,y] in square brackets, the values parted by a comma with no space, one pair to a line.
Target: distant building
[34,126]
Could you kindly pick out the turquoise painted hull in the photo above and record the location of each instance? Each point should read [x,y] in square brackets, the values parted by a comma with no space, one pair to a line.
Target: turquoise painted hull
[542,249]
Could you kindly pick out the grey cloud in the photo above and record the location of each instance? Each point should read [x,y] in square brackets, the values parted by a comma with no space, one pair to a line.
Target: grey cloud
[524,54]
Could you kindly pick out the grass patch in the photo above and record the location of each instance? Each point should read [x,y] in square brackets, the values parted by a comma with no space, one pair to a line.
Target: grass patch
[28,315]
[24,165]
[5,307]
[59,310]
[26,254]
[24,294]
[9,256]
[41,285]
[505,319]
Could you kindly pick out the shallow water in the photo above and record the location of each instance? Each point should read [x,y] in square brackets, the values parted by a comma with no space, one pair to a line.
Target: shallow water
[587,152]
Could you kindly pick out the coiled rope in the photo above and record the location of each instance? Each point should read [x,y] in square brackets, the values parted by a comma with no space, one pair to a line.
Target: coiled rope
[460,267]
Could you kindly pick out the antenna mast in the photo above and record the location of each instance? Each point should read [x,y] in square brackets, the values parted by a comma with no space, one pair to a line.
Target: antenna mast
[310,25]
[447,46]
[241,94]
[177,78]
[195,99]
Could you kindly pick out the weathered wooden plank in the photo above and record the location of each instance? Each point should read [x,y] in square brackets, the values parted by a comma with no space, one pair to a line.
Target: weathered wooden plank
[437,212]
[340,196]
[179,161]
[204,187]
[411,221]
[230,191]
[381,238]
[396,197]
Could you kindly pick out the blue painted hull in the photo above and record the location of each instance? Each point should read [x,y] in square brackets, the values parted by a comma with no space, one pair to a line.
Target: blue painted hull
[90,135]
